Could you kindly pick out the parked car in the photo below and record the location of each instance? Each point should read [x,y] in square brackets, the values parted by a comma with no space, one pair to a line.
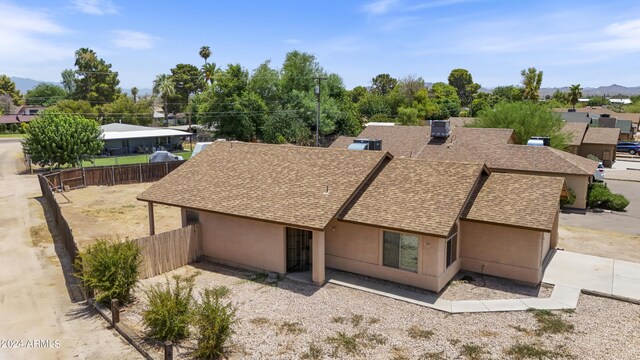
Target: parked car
[628,146]
[598,175]
[163,156]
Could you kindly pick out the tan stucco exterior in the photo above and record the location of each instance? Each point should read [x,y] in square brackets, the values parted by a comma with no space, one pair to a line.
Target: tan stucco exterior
[606,153]
[503,251]
[358,249]
[243,242]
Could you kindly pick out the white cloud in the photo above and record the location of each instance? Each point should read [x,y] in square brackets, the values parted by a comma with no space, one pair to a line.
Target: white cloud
[437,4]
[133,39]
[622,37]
[95,7]
[380,6]
[35,41]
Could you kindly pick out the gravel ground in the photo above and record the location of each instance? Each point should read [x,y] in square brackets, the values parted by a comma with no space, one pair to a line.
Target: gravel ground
[285,321]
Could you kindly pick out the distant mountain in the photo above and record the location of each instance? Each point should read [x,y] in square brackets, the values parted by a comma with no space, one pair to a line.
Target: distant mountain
[610,90]
[26,84]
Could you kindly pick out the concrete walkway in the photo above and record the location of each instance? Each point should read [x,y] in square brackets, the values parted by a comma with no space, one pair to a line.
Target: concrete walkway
[617,279]
[570,273]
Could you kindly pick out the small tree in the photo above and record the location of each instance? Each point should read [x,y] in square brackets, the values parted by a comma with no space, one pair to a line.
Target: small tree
[408,116]
[527,119]
[168,314]
[111,268]
[214,321]
[531,81]
[55,139]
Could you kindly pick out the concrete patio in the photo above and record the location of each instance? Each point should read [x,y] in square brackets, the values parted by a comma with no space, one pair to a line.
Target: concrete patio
[569,273]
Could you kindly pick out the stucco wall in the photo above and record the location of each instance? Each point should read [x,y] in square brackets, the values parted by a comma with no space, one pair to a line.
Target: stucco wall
[606,153]
[243,242]
[504,251]
[358,249]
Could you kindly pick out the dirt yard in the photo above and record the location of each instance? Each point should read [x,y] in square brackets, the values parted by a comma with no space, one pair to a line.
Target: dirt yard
[294,320]
[113,211]
[600,243]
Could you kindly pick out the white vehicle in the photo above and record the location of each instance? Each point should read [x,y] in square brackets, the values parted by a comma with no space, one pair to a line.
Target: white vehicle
[598,175]
[163,156]
[199,147]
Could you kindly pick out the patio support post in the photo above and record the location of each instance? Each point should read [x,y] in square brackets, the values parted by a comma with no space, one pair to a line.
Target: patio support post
[317,261]
[152,225]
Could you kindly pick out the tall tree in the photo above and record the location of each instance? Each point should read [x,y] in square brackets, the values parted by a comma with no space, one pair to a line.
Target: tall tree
[69,80]
[531,80]
[508,93]
[462,80]
[209,71]
[265,81]
[298,72]
[95,81]
[409,86]
[383,84]
[134,93]
[446,97]
[76,107]
[45,94]
[125,110]
[56,139]
[205,53]
[8,87]
[164,87]
[575,92]
[187,80]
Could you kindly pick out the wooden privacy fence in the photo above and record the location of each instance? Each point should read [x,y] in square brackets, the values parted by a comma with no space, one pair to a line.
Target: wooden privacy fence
[110,175]
[169,250]
[61,224]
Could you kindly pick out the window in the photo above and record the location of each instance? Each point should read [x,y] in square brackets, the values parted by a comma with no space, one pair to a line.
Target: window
[452,249]
[400,251]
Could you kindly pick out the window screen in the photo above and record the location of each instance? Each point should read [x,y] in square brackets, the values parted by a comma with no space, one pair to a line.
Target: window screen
[400,251]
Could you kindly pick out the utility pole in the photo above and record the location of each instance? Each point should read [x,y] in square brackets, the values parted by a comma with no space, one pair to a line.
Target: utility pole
[317,92]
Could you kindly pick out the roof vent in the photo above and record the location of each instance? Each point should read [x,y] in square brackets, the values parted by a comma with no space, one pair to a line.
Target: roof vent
[440,128]
[366,144]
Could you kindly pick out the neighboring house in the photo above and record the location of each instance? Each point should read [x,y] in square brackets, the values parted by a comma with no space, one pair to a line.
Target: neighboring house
[494,147]
[603,117]
[128,139]
[30,109]
[283,209]
[591,140]
[21,114]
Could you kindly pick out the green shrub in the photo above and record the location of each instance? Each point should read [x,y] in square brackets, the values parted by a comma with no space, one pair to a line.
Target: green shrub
[593,157]
[601,197]
[168,313]
[617,202]
[214,321]
[571,198]
[110,268]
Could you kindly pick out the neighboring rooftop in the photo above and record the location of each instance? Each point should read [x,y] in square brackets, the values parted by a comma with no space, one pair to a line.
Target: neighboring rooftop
[576,130]
[526,201]
[601,135]
[416,196]
[115,131]
[292,185]
[596,111]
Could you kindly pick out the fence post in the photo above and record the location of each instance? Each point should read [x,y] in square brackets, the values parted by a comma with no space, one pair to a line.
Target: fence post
[115,312]
[168,350]
[140,166]
[113,175]
[166,168]
[84,178]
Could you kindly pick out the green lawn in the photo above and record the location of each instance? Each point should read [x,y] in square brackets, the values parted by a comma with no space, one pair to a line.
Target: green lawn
[2,136]
[128,159]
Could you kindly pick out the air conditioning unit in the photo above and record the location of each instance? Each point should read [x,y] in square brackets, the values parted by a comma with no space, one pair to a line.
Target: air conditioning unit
[440,128]
[546,141]
[366,144]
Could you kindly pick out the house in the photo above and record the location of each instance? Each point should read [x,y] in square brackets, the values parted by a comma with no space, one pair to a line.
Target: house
[21,114]
[127,139]
[589,140]
[494,147]
[284,209]
[603,117]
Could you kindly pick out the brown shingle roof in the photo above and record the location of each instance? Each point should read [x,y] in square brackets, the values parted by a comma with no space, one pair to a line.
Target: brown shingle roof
[511,157]
[605,136]
[400,141]
[416,196]
[519,200]
[635,117]
[482,135]
[576,131]
[342,142]
[277,183]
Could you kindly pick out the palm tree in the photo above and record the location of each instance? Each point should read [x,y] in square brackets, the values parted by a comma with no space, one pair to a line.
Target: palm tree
[165,87]
[575,92]
[209,71]
[205,53]
[134,93]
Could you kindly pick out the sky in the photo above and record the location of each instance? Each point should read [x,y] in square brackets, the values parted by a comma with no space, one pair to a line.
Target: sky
[588,42]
